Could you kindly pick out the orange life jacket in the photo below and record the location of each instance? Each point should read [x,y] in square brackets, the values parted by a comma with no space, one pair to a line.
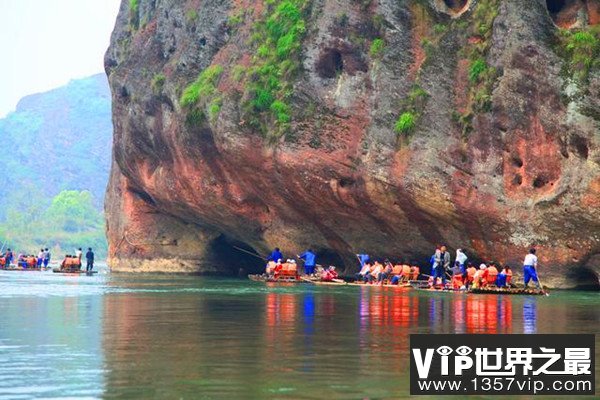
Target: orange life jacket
[397,270]
[492,274]
[508,276]
[414,272]
[457,281]
[31,261]
[406,270]
[471,274]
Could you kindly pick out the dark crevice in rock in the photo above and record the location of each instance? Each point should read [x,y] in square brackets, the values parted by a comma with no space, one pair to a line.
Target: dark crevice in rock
[540,181]
[144,196]
[581,146]
[555,6]
[517,180]
[330,64]
[584,278]
[565,13]
[456,5]
[232,256]
[327,257]
[346,182]
[517,161]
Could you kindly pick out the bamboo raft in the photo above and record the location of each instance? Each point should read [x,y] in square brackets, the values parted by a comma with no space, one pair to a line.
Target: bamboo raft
[279,279]
[489,290]
[73,272]
[24,269]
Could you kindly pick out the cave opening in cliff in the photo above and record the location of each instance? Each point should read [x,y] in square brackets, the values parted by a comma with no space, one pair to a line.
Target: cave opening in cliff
[584,278]
[234,257]
[330,64]
[564,13]
[540,182]
[456,5]
[581,146]
[328,257]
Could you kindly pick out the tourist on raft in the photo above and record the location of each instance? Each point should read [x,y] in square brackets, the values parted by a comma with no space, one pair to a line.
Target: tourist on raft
[504,277]
[8,257]
[529,269]
[471,270]
[461,261]
[441,264]
[480,276]
[310,261]
[492,274]
[40,258]
[375,271]
[329,274]
[386,272]
[363,274]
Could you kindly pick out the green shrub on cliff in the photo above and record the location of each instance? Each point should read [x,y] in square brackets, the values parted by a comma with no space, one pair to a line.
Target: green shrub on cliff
[582,50]
[269,79]
[405,123]
[133,6]
[158,82]
[377,47]
[203,87]
[134,19]
[476,69]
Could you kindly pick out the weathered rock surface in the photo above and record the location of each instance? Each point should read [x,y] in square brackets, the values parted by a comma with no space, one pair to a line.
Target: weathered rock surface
[522,171]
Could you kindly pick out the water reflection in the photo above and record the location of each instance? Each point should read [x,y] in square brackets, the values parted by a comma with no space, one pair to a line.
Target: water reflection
[176,337]
[529,316]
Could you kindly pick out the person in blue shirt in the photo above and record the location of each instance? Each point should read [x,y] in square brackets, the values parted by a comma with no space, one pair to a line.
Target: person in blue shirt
[363,258]
[275,255]
[310,260]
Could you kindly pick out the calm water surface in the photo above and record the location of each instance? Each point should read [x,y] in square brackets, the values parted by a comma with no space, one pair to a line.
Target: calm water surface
[119,336]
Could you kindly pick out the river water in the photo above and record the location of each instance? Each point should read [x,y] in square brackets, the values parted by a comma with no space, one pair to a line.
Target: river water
[172,337]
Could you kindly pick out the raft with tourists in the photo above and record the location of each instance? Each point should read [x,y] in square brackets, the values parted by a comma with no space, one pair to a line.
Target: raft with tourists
[461,278]
[72,265]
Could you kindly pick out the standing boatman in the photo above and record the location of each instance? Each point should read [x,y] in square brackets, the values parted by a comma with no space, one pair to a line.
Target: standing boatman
[310,260]
[89,256]
[47,256]
[275,256]
[529,269]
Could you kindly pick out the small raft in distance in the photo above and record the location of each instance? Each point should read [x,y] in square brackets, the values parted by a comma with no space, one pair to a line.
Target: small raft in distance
[278,279]
[73,272]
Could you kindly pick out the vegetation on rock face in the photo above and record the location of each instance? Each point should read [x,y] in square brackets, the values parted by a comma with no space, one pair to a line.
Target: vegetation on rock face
[377,47]
[133,13]
[413,106]
[405,123]
[481,75]
[158,82]
[203,93]
[582,50]
[277,60]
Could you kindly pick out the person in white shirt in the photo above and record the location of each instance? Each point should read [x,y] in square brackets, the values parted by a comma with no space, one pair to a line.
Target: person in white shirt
[363,275]
[461,261]
[529,269]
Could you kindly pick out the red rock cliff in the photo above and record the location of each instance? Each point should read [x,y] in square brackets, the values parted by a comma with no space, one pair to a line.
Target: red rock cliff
[381,126]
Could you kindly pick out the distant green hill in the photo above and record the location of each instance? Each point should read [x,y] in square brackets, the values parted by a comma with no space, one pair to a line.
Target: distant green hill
[55,142]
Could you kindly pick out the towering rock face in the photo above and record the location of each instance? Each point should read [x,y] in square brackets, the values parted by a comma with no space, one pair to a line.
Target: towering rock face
[381,126]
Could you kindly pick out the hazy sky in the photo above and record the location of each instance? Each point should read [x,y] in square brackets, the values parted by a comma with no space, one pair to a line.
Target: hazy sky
[46,43]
